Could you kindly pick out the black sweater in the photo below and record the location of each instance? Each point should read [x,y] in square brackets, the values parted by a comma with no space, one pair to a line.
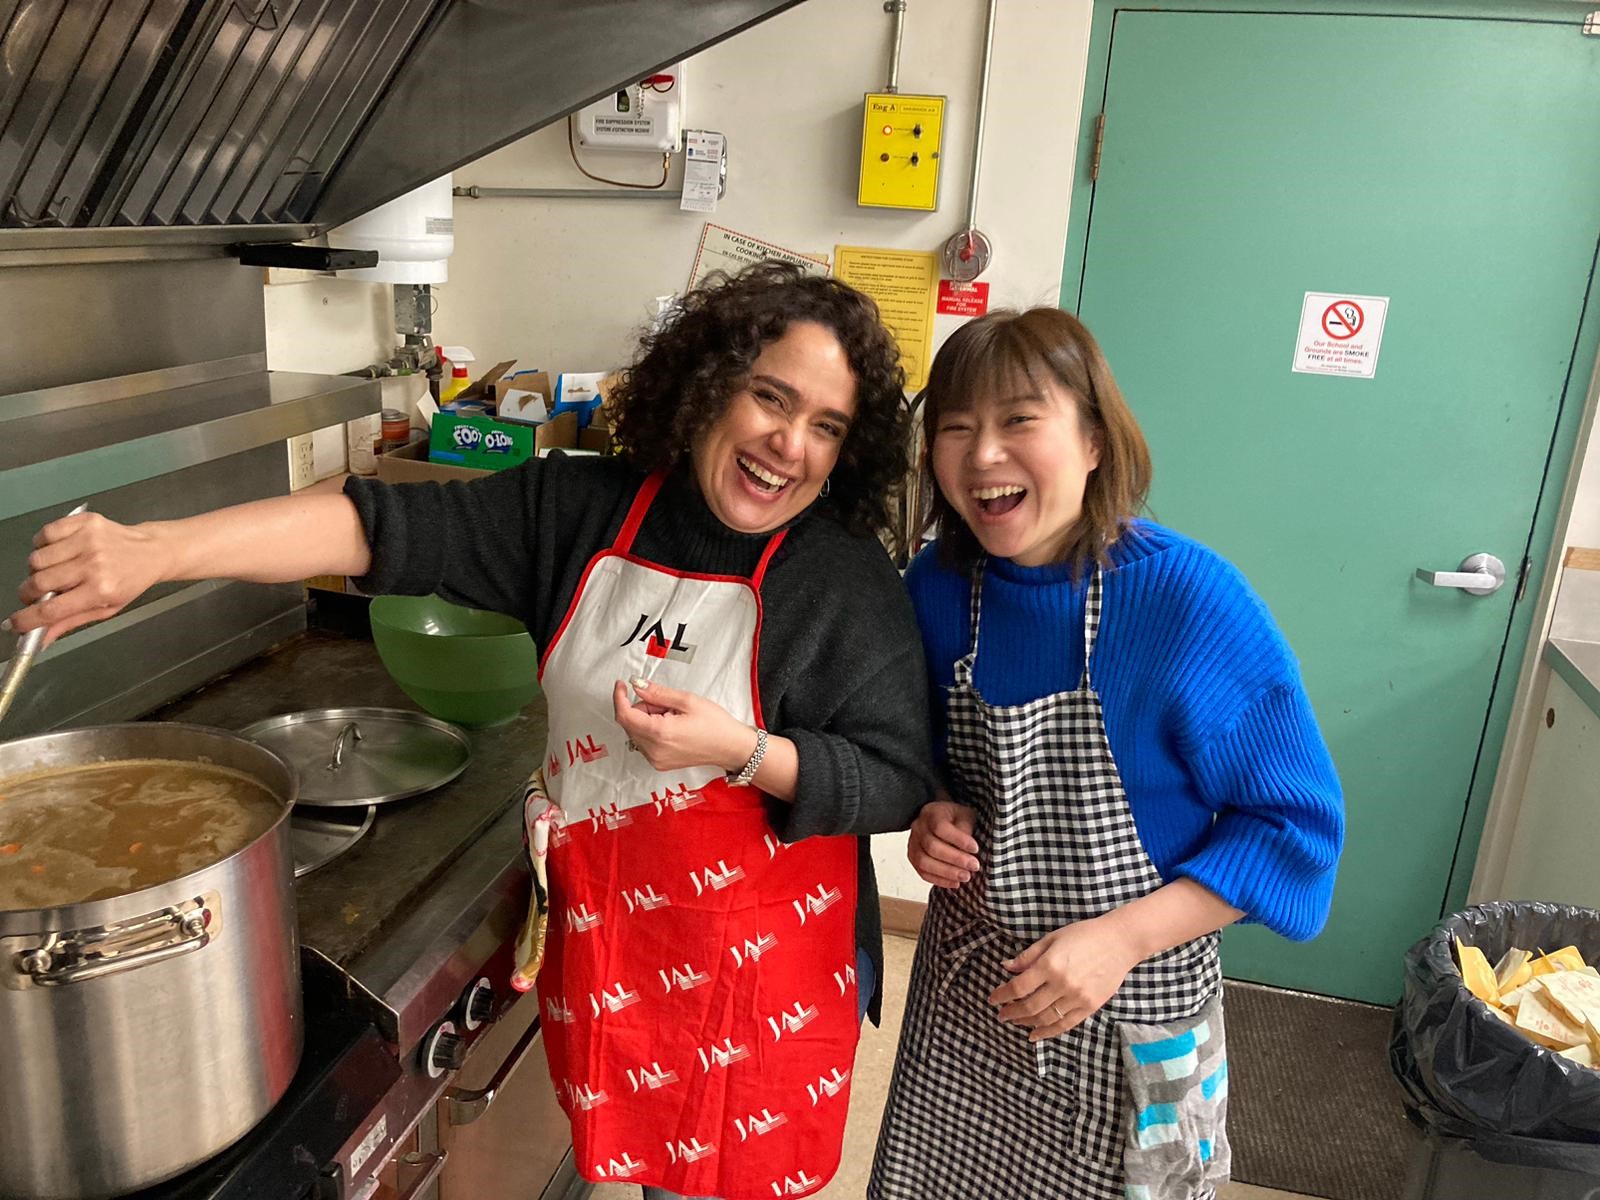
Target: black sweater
[840,669]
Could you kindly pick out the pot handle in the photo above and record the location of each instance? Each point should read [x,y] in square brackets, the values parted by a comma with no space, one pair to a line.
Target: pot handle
[467,1105]
[73,957]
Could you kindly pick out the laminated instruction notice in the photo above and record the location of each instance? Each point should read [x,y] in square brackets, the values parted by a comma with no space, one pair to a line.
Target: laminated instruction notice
[723,249]
[905,284]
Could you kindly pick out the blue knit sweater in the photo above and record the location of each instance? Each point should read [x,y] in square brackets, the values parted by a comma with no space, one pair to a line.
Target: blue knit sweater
[1230,782]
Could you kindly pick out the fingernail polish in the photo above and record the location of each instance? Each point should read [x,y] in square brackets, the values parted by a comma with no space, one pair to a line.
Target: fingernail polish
[6,625]
[639,683]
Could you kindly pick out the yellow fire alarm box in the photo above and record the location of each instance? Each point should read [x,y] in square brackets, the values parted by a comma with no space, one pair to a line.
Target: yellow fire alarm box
[900,141]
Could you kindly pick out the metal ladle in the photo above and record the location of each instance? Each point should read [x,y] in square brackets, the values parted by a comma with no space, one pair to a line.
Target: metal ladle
[27,648]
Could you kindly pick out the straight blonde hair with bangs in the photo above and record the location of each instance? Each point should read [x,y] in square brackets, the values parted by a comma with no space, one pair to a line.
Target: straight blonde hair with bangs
[991,353]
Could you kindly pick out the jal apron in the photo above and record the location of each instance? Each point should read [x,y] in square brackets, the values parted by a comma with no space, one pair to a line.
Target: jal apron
[1130,1104]
[698,991]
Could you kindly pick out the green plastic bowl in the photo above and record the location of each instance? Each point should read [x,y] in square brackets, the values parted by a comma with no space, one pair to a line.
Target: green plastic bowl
[459,664]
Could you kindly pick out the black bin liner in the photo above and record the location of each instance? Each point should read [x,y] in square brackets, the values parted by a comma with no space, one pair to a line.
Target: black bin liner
[1467,1075]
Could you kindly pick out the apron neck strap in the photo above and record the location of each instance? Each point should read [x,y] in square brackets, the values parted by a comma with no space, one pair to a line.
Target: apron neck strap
[1091,624]
[648,491]
[760,572]
[1091,620]
[641,505]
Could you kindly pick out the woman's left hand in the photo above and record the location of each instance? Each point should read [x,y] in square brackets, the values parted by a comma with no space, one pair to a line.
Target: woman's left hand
[675,729]
[1065,977]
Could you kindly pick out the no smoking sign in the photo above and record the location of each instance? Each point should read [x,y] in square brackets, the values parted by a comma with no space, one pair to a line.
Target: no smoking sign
[1340,334]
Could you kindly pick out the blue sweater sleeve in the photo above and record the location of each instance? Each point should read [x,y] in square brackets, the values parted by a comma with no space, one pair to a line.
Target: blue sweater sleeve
[1280,818]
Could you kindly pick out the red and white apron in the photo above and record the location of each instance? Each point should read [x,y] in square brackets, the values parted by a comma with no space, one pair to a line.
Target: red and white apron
[698,991]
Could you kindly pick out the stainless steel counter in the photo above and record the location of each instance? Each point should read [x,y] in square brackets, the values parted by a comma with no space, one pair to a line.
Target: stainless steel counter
[1578,663]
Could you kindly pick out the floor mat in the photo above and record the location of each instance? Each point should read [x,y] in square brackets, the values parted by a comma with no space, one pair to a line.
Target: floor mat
[1312,1107]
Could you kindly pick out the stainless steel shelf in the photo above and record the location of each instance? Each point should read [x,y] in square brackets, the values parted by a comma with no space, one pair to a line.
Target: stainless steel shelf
[143,431]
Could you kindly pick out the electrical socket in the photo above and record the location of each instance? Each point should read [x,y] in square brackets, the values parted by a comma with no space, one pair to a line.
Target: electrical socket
[302,462]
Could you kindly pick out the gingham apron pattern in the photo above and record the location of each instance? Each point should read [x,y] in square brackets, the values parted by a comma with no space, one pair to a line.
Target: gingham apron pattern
[699,988]
[974,1109]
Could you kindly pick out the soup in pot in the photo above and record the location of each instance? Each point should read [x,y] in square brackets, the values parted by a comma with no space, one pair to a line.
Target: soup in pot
[71,834]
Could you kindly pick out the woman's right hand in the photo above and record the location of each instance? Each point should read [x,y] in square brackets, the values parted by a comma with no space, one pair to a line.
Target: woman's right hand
[943,850]
[95,566]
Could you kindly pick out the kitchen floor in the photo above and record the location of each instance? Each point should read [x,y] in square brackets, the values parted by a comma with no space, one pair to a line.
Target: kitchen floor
[871,1084]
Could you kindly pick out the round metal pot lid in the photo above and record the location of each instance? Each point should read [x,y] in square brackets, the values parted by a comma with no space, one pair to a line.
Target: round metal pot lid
[350,756]
[318,838]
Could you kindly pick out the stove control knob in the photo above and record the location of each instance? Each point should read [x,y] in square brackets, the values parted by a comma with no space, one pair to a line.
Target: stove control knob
[444,1051]
[479,1007]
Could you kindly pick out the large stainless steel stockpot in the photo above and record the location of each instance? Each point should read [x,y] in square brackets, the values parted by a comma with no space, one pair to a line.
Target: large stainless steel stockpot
[145,1033]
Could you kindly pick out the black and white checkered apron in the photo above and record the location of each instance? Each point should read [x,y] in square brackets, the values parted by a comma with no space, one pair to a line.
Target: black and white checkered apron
[975,1110]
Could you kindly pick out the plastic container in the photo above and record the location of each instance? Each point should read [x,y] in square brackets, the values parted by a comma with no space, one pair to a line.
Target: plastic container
[460,381]
[459,664]
[395,429]
[413,234]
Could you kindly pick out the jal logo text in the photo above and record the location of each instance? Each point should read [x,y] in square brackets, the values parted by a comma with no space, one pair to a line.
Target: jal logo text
[652,1077]
[646,901]
[657,643]
[752,951]
[827,1086]
[613,1001]
[845,978]
[773,846]
[585,750]
[624,1168]
[692,1151]
[558,1011]
[723,1056]
[685,980]
[795,1185]
[758,1124]
[611,817]
[677,799]
[717,878]
[816,905]
[585,1097]
[791,1022]
[581,920]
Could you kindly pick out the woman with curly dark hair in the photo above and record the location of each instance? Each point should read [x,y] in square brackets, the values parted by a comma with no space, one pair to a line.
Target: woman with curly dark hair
[714,931]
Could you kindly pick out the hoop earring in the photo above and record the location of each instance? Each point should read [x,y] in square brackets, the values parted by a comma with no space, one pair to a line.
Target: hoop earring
[827,486]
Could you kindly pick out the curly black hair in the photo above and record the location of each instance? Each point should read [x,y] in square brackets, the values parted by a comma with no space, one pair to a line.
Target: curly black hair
[687,371]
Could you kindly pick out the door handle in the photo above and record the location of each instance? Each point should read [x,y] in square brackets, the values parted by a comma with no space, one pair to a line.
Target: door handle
[1478,575]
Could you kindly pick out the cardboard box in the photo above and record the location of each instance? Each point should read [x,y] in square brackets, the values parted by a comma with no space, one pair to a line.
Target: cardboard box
[523,398]
[481,389]
[479,442]
[411,464]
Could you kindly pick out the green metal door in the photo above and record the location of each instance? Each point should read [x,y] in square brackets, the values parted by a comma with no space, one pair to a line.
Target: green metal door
[1452,166]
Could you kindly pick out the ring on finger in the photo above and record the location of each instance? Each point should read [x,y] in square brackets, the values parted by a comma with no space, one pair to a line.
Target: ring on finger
[1055,1007]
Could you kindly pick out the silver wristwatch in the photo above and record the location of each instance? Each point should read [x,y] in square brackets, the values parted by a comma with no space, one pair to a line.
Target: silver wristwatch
[748,772]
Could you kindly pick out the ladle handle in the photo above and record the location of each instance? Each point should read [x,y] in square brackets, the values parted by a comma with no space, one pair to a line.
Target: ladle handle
[27,646]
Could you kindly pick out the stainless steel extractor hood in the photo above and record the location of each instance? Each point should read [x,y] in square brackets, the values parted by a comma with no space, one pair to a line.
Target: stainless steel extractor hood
[188,113]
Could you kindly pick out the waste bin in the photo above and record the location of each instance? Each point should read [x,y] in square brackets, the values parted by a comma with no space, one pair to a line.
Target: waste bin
[1502,1117]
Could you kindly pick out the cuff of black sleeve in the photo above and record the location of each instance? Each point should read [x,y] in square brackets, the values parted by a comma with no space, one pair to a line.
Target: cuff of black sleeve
[827,798]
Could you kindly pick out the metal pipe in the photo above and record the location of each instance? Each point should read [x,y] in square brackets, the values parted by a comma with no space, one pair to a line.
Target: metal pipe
[983,110]
[474,192]
[897,9]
